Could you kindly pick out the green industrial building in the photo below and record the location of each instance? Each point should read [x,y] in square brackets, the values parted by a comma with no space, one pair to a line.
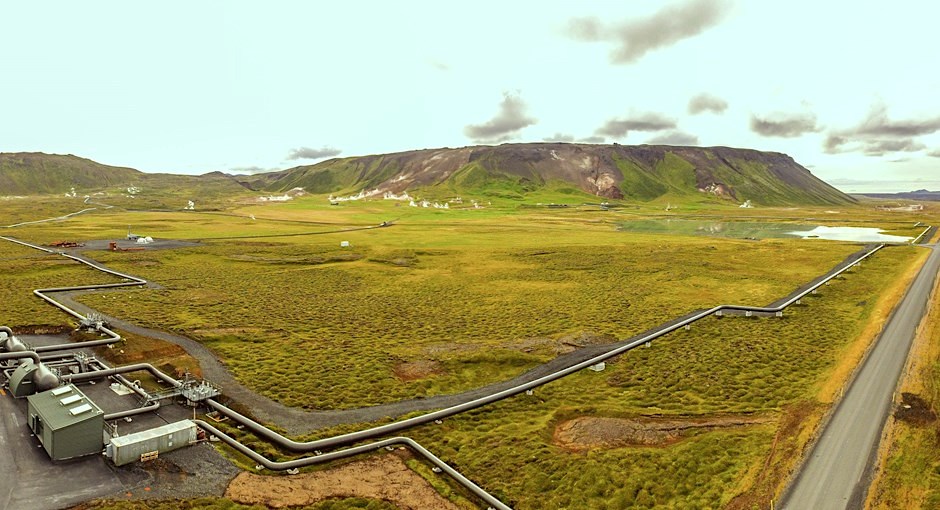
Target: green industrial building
[67,423]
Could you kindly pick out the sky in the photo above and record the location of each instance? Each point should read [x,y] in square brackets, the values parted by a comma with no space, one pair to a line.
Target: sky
[849,89]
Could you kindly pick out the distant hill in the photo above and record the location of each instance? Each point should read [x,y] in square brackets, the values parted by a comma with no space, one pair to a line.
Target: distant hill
[921,194]
[643,172]
[35,173]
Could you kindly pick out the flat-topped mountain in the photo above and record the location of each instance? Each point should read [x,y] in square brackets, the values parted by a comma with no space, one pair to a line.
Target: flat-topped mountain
[643,172]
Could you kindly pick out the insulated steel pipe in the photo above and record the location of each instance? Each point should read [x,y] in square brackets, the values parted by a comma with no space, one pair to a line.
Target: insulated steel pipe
[398,426]
[357,450]
[132,412]
[20,355]
[75,378]
[78,345]
[153,406]
[99,374]
[41,293]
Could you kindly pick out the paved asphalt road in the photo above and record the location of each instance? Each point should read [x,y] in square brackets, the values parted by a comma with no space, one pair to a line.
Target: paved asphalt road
[838,472]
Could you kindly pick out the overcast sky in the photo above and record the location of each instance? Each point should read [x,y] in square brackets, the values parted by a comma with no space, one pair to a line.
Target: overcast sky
[850,89]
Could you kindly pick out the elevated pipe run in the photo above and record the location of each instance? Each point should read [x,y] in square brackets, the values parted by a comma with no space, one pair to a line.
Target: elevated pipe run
[100,374]
[357,450]
[28,245]
[395,427]
[65,217]
[78,345]
[921,235]
[402,424]
[41,293]
[114,337]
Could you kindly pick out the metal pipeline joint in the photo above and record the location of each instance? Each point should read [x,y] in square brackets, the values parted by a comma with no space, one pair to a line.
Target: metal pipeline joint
[21,355]
[9,341]
[99,374]
[132,412]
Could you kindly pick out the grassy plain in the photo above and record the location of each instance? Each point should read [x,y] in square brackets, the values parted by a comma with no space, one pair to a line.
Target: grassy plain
[486,294]
[312,325]
[721,367]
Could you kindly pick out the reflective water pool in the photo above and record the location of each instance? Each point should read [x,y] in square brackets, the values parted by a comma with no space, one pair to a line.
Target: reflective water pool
[759,230]
[860,234]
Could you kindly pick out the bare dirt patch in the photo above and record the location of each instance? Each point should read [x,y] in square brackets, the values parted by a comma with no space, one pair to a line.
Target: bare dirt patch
[384,477]
[41,329]
[226,331]
[581,339]
[590,432]
[419,369]
[915,410]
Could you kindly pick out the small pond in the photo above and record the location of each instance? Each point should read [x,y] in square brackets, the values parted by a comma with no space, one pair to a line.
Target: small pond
[760,230]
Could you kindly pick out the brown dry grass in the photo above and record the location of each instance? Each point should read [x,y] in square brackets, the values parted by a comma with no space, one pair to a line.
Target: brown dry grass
[383,477]
[419,369]
[590,432]
[850,358]
[797,424]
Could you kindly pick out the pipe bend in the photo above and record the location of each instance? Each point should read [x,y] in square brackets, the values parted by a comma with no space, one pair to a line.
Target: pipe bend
[356,450]
[21,354]
[98,374]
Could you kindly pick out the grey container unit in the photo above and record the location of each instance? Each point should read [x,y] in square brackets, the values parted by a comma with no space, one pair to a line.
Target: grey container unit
[127,449]
[66,422]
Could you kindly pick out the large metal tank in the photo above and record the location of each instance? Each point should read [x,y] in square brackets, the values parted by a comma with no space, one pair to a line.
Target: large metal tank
[44,378]
[11,343]
[21,380]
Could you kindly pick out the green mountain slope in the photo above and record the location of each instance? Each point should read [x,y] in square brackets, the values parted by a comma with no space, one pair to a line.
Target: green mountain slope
[33,173]
[641,173]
